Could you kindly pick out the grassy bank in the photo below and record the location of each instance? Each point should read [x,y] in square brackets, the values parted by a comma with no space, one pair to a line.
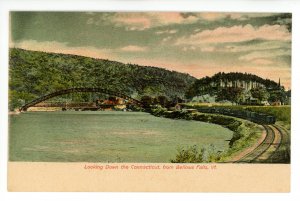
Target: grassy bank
[282,113]
[245,134]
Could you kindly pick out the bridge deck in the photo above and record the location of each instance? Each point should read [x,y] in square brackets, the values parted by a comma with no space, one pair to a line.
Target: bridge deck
[81,89]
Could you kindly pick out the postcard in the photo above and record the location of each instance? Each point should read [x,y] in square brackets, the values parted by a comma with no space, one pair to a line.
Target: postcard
[149,101]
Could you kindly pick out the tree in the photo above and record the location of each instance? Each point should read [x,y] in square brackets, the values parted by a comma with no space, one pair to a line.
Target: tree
[277,95]
[162,100]
[260,93]
[147,100]
[230,93]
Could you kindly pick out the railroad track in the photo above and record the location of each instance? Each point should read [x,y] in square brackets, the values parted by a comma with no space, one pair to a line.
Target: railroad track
[284,133]
[266,149]
[285,141]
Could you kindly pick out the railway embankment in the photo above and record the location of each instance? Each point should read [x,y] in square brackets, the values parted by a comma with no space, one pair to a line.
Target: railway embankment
[254,140]
[245,133]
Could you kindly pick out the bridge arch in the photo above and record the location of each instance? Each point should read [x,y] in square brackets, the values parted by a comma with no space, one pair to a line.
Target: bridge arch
[79,89]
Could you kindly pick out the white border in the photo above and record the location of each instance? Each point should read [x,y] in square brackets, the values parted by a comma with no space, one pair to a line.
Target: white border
[150,5]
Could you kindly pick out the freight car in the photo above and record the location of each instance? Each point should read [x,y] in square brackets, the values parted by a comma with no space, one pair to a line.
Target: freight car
[256,117]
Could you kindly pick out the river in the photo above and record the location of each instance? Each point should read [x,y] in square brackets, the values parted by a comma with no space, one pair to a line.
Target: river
[106,136]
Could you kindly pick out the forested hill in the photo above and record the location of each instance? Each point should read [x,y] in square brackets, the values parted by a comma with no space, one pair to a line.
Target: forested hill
[216,83]
[34,73]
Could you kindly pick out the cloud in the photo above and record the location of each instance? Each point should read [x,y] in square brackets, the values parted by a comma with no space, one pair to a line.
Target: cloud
[265,54]
[166,39]
[207,49]
[197,68]
[189,48]
[263,50]
[213,16]
[262,45]
[57,47]
[250,46]
[133,48]
[262,61]
[236,34]
[133,21]
[258,15]
[146,20]
[172,31]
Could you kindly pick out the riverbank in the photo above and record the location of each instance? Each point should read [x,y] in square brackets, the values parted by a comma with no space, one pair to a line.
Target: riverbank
[281,113]
[14,112]
[245,133]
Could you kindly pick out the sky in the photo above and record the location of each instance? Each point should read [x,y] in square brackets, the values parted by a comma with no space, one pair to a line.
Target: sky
[200,44]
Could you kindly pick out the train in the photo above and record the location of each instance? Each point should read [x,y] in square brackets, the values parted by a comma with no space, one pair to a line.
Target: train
[255,117]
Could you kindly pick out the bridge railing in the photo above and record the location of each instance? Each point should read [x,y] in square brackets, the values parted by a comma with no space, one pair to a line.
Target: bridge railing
[65,104]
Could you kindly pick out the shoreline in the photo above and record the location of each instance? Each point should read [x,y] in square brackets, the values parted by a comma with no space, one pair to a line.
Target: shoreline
[14,113]
[245,133]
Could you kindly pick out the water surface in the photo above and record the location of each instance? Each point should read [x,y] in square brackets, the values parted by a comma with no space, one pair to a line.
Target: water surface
[106,136]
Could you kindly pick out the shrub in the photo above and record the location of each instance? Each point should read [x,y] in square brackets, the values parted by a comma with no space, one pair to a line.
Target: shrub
[189,155]
[194,154]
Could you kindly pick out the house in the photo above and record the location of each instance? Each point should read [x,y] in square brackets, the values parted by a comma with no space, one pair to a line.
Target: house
[265,103]
[276,103]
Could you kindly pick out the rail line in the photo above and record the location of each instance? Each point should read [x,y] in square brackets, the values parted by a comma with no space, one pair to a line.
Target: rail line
[273,148]
[284,133]
[285,141]
[266,148]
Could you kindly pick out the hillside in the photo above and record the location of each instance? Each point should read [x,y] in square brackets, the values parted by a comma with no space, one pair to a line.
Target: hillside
[34,73]
[238,87]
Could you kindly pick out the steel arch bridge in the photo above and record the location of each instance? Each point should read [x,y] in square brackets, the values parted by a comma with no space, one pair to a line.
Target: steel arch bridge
[76,90]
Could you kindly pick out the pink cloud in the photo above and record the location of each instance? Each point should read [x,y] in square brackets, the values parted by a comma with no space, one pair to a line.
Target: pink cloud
[237,34]
[56,47]
[265,54]
[173,18]
[208,49]
[135,21]
[133,48]
[213,16]
[263,61]
[145,20]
